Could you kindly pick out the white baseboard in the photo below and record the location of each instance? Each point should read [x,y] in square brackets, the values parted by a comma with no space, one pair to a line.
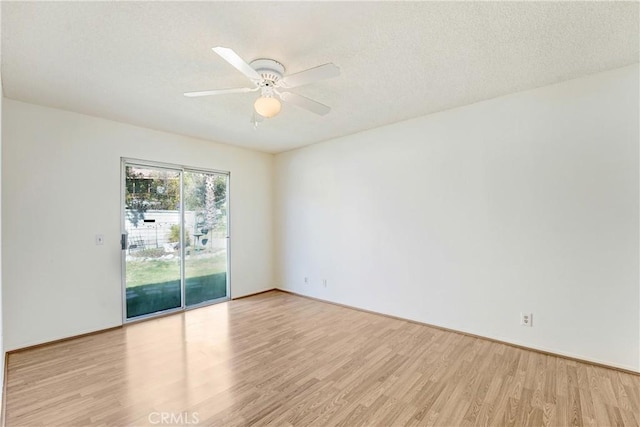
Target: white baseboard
[253,293]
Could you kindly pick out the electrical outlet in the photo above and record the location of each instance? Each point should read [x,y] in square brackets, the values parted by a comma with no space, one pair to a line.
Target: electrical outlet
[324,282]
[526,319]
[99,239]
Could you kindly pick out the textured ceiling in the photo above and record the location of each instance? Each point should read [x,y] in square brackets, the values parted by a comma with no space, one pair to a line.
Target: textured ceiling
[131,61]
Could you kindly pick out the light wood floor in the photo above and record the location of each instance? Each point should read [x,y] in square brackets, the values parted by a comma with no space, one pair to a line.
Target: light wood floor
[286,360]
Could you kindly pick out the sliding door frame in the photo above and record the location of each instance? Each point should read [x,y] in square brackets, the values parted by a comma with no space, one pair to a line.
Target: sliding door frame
[127,161]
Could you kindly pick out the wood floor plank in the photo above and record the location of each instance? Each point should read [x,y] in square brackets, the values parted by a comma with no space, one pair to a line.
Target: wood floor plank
[280,359]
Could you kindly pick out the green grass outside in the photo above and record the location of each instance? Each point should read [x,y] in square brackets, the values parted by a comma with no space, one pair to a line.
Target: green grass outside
[141,272]
[154,284]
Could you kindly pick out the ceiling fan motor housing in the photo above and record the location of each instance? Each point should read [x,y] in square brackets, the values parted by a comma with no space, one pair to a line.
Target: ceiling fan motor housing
[270,70]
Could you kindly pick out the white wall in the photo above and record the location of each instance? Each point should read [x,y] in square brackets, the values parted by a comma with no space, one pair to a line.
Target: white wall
[465,218]
[2,352]
[57,282]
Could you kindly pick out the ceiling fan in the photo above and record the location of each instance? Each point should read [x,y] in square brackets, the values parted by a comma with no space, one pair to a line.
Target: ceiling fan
[267,76]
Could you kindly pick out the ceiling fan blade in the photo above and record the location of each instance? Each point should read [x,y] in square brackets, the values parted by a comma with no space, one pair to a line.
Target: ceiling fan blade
[220,91]
[306,103]
[311,75]
[232,58]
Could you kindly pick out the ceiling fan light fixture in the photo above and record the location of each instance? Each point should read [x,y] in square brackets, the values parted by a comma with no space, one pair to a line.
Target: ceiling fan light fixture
[267,106]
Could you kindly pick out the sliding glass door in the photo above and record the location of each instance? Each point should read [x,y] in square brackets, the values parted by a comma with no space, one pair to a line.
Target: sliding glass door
[152,254]
[174,238]
[205,259]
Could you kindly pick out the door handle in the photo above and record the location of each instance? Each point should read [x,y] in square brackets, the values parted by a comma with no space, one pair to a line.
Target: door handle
[123,241]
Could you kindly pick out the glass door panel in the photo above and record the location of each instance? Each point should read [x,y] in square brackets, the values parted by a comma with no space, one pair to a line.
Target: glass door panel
[153,224]
[205,217]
